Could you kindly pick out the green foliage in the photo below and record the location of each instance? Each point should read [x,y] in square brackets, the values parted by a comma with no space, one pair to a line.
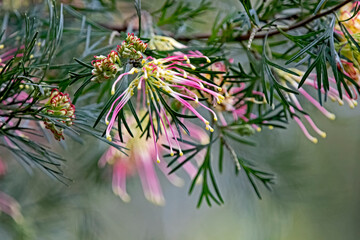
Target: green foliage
[264,37]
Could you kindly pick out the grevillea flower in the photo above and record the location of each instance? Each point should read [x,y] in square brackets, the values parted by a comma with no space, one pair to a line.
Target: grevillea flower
[311,82]
[166,77]
[140,159]
[59,105]
[11,207]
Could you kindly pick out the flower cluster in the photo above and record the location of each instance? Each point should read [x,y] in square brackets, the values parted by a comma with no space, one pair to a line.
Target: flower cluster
[105,67]
[167,76]
[132,48]
[59,105]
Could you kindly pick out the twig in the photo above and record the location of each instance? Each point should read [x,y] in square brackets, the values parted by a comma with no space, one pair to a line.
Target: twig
[233,154]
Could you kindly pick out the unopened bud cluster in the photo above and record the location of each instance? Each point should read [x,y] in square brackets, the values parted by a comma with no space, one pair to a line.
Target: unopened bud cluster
[105,67]
[59,105]
[132,48]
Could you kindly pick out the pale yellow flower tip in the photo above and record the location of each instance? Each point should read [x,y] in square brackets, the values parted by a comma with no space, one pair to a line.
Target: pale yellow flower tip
[178,182]
[185,57]
[107,122]
[181,153]
[271,127]
[322,134]
[2,46]
[314,140]
[109,138]
[158,160]
[258,129]
[331,116]
[31,56]
[219,89]
[112,91]
[125,197]
[171,153]
[355,102]
[199,180]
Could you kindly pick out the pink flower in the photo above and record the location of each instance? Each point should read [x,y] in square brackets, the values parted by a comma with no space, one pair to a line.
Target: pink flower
[140,160]
[11,207]
[3,167]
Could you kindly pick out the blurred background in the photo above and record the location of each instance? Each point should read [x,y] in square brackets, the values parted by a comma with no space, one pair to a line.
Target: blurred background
[315,196]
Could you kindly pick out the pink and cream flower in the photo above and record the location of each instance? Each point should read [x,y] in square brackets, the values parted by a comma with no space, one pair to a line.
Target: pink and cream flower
[165,78]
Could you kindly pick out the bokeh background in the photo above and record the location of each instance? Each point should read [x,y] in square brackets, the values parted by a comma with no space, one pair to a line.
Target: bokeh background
[316,195]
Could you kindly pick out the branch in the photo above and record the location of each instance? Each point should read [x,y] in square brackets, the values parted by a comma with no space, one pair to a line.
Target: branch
[247,36]
[296,25]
